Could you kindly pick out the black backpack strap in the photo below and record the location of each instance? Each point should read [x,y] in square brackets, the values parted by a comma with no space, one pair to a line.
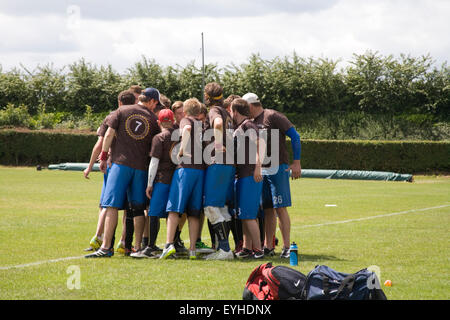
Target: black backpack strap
[347,283]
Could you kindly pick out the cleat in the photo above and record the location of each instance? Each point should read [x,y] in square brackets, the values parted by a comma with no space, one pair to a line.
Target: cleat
[269,252]
[101,253]
[144,253]
[201,247]
[258,254]
[155,249]
[179,247]
[120,248]
[285,254]
[95,243]
[220,255]
[167,252]
[192,255]
[244,254]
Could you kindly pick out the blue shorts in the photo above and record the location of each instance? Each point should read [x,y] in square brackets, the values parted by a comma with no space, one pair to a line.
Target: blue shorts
[276,189]
[105,177]
[158,202]
[248,197]
[218,181]
[124,182]
[186,191]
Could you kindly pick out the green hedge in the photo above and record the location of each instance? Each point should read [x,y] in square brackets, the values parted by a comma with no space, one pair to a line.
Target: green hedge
[395,156]
[38,147]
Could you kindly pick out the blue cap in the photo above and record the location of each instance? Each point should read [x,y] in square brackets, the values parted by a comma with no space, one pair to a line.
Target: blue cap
[152,93]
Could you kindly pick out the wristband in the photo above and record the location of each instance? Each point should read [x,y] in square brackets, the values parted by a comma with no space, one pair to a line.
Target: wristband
[104,156]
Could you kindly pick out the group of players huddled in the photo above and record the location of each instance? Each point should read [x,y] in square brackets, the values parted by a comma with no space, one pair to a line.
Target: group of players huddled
[225,160]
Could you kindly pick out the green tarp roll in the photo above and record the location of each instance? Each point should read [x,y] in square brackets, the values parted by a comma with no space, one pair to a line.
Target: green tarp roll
[73,166]
[356,175]
[306,173]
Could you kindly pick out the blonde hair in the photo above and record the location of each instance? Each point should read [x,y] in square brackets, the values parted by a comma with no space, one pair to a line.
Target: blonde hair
[192,107]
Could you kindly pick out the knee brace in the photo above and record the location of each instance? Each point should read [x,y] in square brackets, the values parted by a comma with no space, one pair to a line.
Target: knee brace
[214,215]
[136,211]
[225,213]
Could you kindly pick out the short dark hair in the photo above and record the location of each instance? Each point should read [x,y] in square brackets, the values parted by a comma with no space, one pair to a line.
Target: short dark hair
[241,106]
[127,97]
[213,94]
[159,107]
[204,109]
[136,89]
[165,100]
[227,102]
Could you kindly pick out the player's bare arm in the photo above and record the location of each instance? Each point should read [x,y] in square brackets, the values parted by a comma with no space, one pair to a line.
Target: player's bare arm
[185,136]
[107,141]
[218,134]
[94,155]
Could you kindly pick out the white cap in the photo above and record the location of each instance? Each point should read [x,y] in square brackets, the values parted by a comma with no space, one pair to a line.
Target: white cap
[251,98]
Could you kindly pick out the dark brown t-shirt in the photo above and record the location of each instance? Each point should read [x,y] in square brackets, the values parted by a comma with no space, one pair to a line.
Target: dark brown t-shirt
[269,120]
[101,131]
[135,128]
[245,137]
[194,159]
[227,129]
[162,147]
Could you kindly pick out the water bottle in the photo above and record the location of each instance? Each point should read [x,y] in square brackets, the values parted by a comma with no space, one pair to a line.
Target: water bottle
[293,255]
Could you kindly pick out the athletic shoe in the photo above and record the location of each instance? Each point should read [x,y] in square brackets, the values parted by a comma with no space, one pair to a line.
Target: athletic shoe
[101,253]
[201,247]
[144,253]
[269,252]
[120,248]
[220,255]
[155,249]
[95,243]
[168,251]
[244,254]
[238,247]
[285,254]
[179,247]
[192,254]
[258,254]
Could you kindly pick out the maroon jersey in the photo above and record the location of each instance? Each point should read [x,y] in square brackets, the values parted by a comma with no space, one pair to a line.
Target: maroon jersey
[194,159]
[269,120]
[162,147]
[245,137]
[227,129]
[135,128]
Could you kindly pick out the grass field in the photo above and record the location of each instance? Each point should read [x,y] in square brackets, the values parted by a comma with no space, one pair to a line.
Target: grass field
[45,216]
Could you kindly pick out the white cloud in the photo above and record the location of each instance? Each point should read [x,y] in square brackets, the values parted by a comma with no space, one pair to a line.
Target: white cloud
[333,30]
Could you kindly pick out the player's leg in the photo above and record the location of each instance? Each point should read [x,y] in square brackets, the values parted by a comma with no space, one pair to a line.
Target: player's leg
[179,193]
[217,176]
[138,202]
[113,198]
[281,195]
[156,211]
[248,194]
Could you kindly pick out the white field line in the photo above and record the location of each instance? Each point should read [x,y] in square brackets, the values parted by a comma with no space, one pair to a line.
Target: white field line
[294,227]
[39,262]
[371,217]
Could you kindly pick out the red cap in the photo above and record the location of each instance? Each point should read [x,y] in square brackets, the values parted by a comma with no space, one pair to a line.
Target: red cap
[165,115]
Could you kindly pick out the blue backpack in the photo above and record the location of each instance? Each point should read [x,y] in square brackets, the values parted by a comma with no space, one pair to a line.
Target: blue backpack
[324,283]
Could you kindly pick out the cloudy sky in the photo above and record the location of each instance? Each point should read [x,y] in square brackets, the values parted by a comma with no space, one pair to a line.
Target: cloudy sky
[121,32]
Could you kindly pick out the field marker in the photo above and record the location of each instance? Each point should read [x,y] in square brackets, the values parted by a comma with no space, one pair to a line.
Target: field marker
[293,227]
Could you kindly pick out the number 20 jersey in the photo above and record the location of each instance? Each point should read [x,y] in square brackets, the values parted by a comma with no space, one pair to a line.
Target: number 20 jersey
[135,128]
